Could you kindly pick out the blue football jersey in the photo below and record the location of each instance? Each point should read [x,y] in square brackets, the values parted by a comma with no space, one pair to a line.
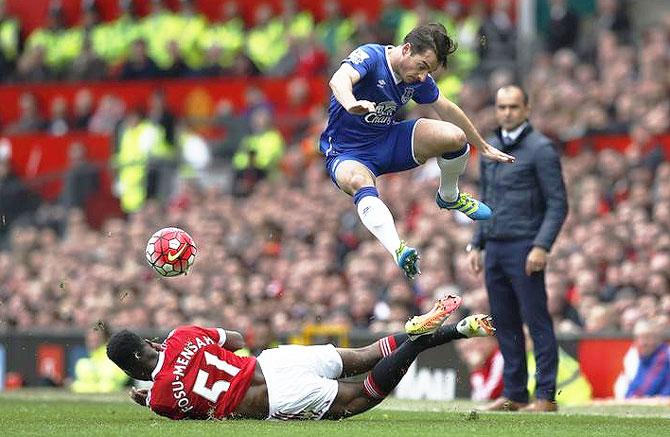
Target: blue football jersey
[378,84]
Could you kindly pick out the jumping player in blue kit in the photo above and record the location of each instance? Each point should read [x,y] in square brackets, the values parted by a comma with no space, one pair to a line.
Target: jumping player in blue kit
[363,141]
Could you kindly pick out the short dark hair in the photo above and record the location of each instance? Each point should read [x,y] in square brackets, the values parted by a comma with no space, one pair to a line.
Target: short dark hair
[432,36]
[124,349]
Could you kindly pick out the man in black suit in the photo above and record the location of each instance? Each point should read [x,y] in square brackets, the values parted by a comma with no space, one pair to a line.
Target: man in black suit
[529,206]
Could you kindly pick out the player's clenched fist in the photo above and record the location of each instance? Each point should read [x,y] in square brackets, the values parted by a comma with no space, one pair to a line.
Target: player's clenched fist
[360,107]
[139,396]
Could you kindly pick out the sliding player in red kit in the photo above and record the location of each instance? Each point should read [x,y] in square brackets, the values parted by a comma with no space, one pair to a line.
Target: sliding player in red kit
[197,376]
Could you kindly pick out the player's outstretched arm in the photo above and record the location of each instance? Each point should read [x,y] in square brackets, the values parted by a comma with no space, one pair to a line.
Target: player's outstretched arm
[449,111]
[342,84]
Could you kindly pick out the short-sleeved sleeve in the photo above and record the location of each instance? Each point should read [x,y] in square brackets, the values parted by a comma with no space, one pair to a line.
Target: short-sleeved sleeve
[427,92]
[362,59]
[216,334]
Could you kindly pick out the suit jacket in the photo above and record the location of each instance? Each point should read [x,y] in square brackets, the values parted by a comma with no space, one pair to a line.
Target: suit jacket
[527,197]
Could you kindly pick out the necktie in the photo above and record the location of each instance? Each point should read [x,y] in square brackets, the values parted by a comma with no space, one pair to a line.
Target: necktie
[507,140]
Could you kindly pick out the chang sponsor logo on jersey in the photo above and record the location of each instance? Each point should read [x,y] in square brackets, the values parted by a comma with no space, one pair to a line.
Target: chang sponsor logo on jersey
[383,114]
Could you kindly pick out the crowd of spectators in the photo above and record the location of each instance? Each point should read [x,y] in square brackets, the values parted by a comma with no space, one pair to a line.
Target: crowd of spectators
[180,43]
[287,249]
[310,261]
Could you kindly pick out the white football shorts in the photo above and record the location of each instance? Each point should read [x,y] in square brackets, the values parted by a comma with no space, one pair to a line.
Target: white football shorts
[301,380]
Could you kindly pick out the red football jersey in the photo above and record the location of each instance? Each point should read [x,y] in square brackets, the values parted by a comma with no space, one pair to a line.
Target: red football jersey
[197,378]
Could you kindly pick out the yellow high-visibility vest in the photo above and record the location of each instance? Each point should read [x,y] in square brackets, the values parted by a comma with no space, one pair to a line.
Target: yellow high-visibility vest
[9,38]
[268,146]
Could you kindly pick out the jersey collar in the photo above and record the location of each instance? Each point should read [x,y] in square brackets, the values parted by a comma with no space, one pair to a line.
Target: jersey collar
[396,79]
[159,365]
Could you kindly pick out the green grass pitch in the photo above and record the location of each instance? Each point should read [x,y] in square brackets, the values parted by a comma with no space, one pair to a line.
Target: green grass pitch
[59,413]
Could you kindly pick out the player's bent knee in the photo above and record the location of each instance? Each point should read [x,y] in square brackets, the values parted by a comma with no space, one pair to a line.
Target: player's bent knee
[358,181]
[459,138]
[435,138]
[455,139]
[351,176]
[350,183]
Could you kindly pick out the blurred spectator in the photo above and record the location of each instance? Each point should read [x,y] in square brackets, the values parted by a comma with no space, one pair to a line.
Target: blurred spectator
[48,38]
[268,41]
[335,29]
[211,66]
[611,15]
[313,59]
[88,66]
[224,38]
[259,152]
[177,65]
[137,137]
[81,180]
[410,18]
[485,363]
[294,117]
[16,200]
[58,123]
[32,67]
[192,26]
[111,40]
[96,373]
[563,26]
[83,109]
[163,156]
[498,34]
[29,120]
[194,150]
[139,65]
[463,25]
[389,20]
[286,66]
[107,116]
[157,28]
[10,31]
[159,113]
[299,24]
[566,318]
[646,365]
[234,127]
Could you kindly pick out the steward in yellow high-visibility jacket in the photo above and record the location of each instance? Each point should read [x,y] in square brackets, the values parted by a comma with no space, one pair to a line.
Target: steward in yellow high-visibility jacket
[10,29]
[140,140]
[572,388]
[98,374]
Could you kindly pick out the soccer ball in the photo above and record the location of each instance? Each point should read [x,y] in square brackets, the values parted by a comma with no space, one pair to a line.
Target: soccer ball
[171,252]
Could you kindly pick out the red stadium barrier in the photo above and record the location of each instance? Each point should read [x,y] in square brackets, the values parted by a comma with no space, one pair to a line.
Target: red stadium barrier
[51,363]
[184,96]
[44,158]
[601,361]
[41,161]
